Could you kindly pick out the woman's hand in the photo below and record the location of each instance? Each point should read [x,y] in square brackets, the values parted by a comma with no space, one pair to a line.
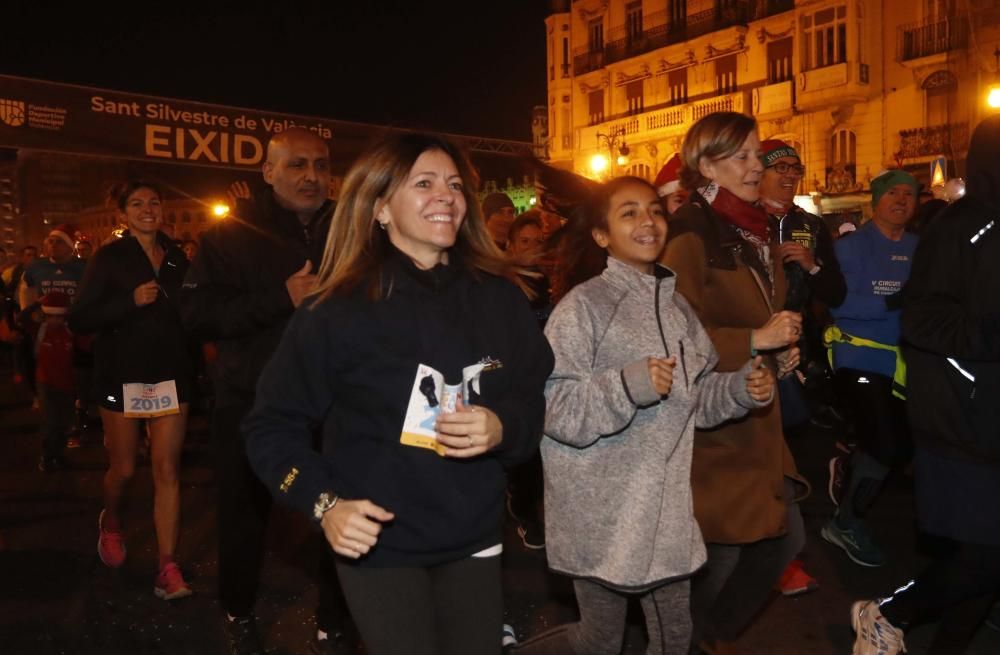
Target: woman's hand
[788,360]
[145,294]
[782,329]
[661,373]
[469,431]
[352,526]
[760,381]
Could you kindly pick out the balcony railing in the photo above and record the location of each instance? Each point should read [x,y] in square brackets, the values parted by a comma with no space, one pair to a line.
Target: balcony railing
[764,8]
[935,140]
[704,16]
[930,38]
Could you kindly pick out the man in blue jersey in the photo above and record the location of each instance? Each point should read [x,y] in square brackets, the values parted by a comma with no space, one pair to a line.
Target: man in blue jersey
[870,374]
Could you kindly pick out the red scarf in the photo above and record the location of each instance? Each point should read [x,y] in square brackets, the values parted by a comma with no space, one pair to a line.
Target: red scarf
[738,212]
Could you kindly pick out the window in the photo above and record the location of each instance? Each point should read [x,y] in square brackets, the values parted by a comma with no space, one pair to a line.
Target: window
[596,107]
[825,38]
[939,89]
[633,21]
[565,57]
[843,154]
[725,74]
[678,14]
[677,81]
[779,60]
[633,94]
[596,30]
[185,217]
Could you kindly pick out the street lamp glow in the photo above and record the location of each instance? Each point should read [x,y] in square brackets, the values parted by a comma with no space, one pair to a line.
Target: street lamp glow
[993,99]
[220,210]
[598,164]
[622,160]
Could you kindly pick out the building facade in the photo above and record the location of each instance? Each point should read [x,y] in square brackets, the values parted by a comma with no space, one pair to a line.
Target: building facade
[856,86]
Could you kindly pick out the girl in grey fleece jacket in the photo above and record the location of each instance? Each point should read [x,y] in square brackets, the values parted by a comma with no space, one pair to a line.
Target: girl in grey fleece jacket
[633,377]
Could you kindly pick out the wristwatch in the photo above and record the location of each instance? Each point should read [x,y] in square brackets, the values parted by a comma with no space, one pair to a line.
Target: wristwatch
[324,503]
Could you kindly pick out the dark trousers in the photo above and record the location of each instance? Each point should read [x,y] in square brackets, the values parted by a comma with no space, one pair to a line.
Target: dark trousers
[958,586]
[57,419]
[449,609]
[738,579]
[244,506]
[602,622]
[879,418]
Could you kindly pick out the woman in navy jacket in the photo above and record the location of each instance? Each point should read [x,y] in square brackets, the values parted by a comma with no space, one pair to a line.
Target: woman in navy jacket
[142,371]
[412,294]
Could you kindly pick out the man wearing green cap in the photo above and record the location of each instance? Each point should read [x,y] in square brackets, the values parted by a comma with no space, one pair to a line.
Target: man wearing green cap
[870,374]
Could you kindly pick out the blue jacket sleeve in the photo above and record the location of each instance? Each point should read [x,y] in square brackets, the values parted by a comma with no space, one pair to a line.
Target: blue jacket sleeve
[294,393]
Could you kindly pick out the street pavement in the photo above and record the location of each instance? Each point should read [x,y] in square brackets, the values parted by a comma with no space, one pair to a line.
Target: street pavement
[57,597]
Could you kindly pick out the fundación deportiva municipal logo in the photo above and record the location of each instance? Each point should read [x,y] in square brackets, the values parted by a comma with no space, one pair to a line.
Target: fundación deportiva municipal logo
[12,112]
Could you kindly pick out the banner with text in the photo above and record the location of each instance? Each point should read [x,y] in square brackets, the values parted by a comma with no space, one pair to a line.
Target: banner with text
[81,120]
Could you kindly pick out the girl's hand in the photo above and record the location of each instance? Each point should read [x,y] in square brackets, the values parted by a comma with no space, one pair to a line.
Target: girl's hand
[760,381]
[352,526]
[469,431]
[661,373]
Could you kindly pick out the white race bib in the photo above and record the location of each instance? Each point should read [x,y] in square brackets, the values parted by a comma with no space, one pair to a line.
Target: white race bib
[150,400]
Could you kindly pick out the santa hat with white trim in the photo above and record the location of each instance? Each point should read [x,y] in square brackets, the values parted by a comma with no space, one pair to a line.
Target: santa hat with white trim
[67,232]
[668,180]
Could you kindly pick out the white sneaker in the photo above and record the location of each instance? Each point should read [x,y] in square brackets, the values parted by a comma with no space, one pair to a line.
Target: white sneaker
[875,635]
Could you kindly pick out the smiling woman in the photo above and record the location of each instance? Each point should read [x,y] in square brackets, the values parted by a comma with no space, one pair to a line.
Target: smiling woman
[412,298]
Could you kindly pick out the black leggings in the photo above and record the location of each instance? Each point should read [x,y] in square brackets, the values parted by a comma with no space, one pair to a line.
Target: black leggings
[449,609]
[958,586]
[879,418]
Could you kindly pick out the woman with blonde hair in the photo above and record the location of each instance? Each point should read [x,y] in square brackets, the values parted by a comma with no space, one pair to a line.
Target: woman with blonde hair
[422,364]
[744,478]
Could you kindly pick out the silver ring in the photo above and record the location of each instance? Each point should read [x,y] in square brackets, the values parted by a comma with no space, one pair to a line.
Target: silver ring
[472,441]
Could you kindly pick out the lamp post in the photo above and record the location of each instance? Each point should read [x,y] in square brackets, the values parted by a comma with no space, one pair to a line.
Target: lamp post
[617,149]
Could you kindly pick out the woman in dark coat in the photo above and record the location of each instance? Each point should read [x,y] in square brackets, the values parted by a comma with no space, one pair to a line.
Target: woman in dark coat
[422,364]
[951,333]
[142,371]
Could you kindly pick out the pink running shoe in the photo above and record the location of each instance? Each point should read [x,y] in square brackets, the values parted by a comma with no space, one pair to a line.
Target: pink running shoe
[110,546]
[170,583]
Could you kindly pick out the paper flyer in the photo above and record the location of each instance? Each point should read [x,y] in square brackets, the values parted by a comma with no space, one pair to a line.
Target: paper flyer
[429,397]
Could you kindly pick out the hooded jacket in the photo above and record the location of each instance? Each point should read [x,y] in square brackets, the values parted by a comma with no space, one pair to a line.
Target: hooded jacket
[951,317]
[617,456]
[235,294]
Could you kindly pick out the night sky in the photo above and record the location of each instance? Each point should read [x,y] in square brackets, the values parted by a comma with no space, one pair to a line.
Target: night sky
[461,67]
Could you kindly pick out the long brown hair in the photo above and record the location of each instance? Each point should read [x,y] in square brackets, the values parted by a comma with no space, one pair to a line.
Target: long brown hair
[356,249]
[716,136]
[578,257]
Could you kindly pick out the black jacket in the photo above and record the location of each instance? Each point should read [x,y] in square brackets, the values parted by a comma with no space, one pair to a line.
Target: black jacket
[348,364]
[828,284]
[133,344]
[235,292]
[951,310]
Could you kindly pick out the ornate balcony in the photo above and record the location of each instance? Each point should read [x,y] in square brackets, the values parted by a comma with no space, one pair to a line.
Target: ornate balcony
[704,16]
[928,38]
[934,141]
